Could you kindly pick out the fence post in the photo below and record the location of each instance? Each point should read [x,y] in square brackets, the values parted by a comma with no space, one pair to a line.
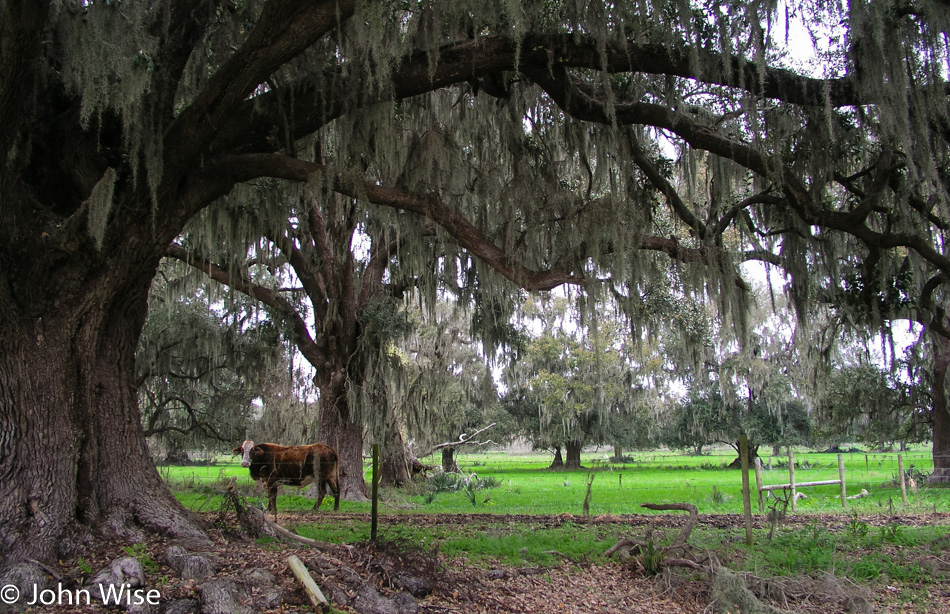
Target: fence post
[844,491]
[791,479]
[746,496]
[900,471]
[758,483]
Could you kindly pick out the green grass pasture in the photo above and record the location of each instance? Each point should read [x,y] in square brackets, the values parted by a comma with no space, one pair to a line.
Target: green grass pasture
[485,541]
[524,485]
[889,552]
[868,545]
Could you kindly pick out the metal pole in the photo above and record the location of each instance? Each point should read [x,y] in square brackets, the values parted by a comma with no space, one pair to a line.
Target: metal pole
[746,495]
[758,483]
[791,479]
[844,491]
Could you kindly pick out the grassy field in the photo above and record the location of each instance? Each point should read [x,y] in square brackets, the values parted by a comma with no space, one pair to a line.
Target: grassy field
[522,484]
[891,552]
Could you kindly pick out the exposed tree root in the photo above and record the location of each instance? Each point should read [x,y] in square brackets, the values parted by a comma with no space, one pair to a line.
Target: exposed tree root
[254,522]
[731,591]
[644,554]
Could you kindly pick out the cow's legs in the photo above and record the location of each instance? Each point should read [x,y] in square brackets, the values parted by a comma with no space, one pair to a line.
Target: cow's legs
[272,499]
[321,491]
[335,485]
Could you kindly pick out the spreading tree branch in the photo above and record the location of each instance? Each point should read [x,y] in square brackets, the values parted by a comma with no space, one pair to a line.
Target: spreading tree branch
[271,298]
[250,166]
[463,440]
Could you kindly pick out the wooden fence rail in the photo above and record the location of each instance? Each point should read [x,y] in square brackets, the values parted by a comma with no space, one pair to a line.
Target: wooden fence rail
[793,486]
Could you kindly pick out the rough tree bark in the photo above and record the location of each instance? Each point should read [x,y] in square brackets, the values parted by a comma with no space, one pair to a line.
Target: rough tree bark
[394,460]
[941,411]
[573,457]
[73,460]
[448,461]
[340,432]
[753,454]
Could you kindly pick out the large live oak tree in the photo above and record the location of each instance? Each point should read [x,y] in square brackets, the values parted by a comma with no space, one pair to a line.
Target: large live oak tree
[125,120]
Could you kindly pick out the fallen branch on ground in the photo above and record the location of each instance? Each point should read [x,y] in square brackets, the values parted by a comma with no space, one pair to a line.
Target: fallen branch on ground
[255,522]
[647,557]
[300,570]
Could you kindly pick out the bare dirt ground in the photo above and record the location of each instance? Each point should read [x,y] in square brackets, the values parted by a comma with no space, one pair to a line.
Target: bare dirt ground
[460,586]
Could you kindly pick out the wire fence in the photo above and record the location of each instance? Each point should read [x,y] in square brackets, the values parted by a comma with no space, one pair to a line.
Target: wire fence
[502,483]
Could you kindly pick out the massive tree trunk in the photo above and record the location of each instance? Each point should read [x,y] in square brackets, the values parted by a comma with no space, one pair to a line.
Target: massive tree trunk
[394,466]
[448,461]
[74,464]
[573,450]
[394,458]
[941,411]
[340,432]
[394,461]
[753,454]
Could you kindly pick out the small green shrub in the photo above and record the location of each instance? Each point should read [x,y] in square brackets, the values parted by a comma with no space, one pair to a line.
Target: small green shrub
[455,482]
[652,559]
[865,569]
[443,482]
[894,534]
[138,551]
[857,527]
[718,497]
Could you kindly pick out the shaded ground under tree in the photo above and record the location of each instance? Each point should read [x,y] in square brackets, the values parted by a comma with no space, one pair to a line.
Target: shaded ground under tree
[353,576]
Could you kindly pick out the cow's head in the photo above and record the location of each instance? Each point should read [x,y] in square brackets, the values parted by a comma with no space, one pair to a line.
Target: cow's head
[246,450]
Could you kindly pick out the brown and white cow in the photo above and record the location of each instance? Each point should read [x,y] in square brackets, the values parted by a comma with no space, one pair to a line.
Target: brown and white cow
[273,465]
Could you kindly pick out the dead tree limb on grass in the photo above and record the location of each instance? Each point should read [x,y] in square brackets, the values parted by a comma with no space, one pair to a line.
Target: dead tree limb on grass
[464,440]
[682,538]
[254,522]
[250,523]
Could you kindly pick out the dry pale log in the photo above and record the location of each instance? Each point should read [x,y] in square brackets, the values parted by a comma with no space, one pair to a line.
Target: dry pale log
[313,591]
[671,562]
[300,538]
[800,485]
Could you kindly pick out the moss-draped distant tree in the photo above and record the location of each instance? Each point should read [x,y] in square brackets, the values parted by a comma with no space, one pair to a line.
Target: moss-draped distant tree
[863,402]
[198,368]
[578,382]
[450,391]
[705,419]
[521,137]
[355,315]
